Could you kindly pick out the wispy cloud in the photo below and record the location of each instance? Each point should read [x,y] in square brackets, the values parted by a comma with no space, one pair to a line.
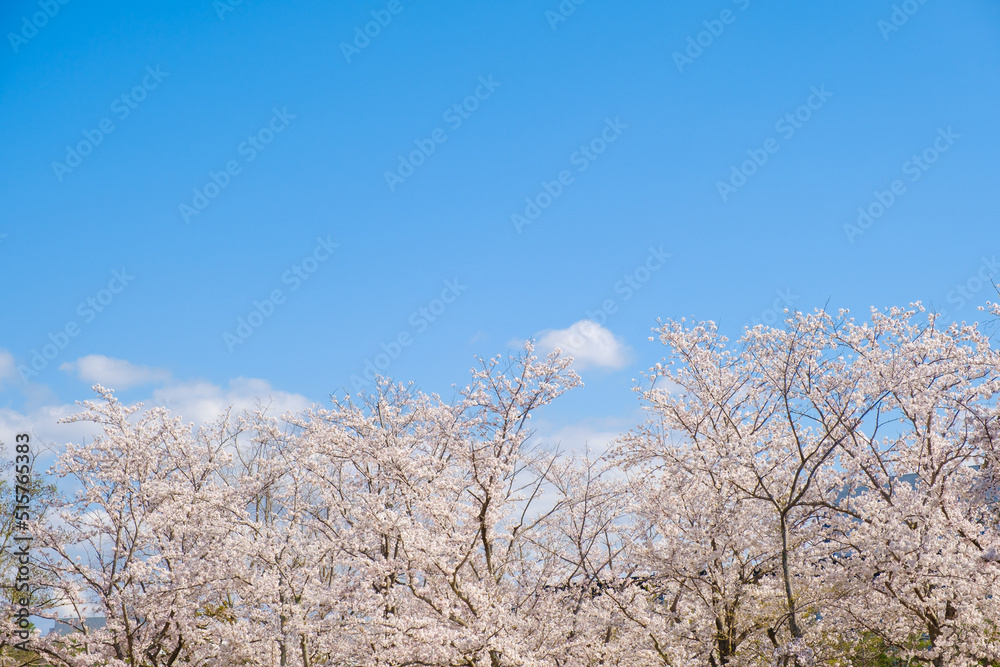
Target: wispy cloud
[114,373]
[202,402]
[8,369]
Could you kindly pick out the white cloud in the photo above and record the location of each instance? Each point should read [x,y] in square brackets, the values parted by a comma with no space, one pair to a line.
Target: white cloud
[114,373]
[582,438]
[588,343]
[47,434]
[8,369]
[202,402]
[199,402]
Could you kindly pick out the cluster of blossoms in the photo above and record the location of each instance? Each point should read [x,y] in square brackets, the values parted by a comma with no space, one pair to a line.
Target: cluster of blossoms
[824,493]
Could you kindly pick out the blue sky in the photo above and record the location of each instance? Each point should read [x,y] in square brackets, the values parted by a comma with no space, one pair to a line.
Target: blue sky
[291,121]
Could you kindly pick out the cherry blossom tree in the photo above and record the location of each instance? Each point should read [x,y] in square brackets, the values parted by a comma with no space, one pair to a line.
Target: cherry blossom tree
[432,508]
[766,472]
[921,492]
[807,495]
[142,541]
